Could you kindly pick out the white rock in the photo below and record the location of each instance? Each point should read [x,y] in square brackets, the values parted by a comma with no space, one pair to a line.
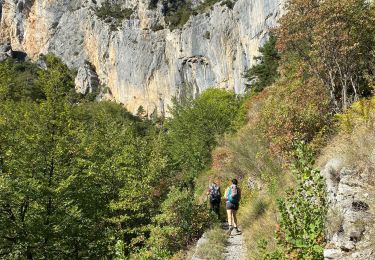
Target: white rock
[136,63]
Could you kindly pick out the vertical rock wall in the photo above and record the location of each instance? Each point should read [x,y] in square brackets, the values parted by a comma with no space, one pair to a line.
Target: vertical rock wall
[138,64]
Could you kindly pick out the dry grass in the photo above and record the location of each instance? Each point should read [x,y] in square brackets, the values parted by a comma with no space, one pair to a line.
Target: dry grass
[335,219]
[214,248]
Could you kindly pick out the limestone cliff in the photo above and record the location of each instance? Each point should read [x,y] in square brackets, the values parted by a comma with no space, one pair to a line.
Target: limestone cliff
[142,65]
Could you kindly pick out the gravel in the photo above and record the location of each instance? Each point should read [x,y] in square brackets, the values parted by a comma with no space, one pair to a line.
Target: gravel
[235,249]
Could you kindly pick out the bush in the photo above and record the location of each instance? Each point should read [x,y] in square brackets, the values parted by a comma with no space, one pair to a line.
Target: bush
[297,108]
[195,126]
[17,81]
[180,222]
[113,13]
[303,212]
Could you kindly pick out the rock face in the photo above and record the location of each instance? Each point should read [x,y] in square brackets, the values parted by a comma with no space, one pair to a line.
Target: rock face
[351,218]
[87,80]
[140,62]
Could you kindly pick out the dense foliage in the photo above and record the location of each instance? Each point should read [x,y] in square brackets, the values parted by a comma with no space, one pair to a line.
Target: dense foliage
[195,126]
[303,212]
[113,13]
[335,40]
[264,73]
[81,179]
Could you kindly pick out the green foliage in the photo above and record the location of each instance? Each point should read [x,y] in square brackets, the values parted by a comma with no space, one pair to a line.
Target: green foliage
[229,3]
[195,126]
[80,179]
[303,212]
[181,220]
[335,39]
[206,5]
[17,81]
[113,13]
[264,73]
[298,107]
[178,12]
[77,180]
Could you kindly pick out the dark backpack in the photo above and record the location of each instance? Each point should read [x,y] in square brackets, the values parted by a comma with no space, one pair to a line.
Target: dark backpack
[215,193]
[233,199]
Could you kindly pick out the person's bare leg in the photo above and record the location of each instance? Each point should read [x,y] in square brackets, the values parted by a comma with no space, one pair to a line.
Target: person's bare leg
[234,218]
[230,219]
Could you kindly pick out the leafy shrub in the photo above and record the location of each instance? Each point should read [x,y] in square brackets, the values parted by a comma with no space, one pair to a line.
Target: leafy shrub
[195,126]
[17,81]
[338,48]
[153,4]
[228,3]
[113,13]
[303,212]
[181,220]
[297,108]
[206,5]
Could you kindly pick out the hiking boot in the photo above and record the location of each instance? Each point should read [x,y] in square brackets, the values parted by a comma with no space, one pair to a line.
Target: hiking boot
[229,230]
[237,230]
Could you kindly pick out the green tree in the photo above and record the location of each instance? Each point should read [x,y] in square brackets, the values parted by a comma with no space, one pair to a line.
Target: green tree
[195,126]
[17,81]
[264,73]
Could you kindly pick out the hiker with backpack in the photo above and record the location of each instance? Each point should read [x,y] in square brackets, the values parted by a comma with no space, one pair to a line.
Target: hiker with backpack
[215,198]
[233,197]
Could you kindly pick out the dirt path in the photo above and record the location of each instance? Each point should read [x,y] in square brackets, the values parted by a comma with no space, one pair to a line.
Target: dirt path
[235,249]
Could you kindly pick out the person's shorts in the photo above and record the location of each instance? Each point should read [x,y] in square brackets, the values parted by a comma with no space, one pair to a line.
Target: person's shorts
[230,205]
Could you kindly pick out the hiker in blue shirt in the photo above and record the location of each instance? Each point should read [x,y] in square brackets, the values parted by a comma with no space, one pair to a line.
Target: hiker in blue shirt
[232,197]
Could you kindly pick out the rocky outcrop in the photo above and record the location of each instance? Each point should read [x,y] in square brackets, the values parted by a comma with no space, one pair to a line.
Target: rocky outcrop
[5,51]
[140,61]
[351,218]
[87,81]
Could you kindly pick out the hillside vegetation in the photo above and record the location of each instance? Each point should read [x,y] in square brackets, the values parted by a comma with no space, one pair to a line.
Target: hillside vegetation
[87,180]
[317,62]
[81,179]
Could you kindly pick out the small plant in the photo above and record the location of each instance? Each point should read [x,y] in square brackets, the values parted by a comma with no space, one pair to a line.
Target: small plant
[207,35]
[260,208]
[157,27]
[113,14]
[228,3]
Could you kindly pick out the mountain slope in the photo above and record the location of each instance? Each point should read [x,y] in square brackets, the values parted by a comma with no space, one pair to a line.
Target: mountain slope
[140,62]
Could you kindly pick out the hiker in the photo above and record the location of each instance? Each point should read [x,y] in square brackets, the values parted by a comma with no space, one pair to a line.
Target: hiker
[233,197]
[215,197]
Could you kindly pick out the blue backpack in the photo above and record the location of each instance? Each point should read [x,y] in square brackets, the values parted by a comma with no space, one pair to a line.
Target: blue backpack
[235,198]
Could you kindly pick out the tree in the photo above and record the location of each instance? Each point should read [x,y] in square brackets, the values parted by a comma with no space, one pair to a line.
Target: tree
[76,179]
[194,127]
[264,73]
[17,81]
[335,39]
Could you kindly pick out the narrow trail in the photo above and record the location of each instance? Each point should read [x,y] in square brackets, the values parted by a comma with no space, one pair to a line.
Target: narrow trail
[235,249]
